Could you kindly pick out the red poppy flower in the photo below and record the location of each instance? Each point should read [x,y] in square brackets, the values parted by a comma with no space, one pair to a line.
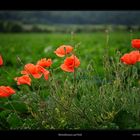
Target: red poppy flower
[25,79]
[63,50]
[32,69]
[70,63]
[1,61]
[136,43]
[44,63]
[44,71]
[131,58]
[46,74]
[6,91]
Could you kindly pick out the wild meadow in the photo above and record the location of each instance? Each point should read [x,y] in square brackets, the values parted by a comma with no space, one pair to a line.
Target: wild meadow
[89,85]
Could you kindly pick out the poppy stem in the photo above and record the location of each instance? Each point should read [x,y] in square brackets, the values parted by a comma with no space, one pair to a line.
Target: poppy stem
[19,60]
[131,35]
[74,82]
[74,78]
[107,43]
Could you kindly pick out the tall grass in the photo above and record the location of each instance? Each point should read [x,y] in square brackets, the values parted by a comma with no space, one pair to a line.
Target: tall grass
[105,97]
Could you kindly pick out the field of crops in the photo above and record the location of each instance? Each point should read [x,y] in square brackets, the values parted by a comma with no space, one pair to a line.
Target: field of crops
[102,93]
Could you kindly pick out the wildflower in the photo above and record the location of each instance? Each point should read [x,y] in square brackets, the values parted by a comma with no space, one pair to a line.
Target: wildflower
[6,91]
[46,74]
[32,69]
[44,71]
[44,63]
[63,50]
[70,63]
[25,79]
[1,61]
[131,58]
[136,43]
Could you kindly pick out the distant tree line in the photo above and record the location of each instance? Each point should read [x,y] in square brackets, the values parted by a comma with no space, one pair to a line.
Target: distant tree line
[15,27]
[73,17]
[10,27]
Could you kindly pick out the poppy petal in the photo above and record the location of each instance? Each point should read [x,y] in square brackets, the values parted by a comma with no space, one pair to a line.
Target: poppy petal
[1,61]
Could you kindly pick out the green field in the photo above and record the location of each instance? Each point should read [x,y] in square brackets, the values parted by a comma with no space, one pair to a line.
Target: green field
[90,47]
[105,94]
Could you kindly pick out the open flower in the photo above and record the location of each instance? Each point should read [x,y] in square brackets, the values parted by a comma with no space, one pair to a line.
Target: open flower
[25,79]
[32,70]
[44,63]
[46,74]
[131,58]
[70,63]
[136,43]
[44,71]
[1,61]
[6,91]
[63,50]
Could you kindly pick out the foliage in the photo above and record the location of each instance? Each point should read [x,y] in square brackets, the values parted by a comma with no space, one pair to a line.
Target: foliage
[10,27]
[16,26]
[73,17]
[104,94]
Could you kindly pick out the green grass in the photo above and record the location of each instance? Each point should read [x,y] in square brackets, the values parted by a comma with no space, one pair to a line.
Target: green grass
[31,47]
[104,95]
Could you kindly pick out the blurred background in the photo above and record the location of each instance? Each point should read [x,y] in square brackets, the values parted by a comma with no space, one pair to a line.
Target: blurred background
[67,21]
[31,35]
